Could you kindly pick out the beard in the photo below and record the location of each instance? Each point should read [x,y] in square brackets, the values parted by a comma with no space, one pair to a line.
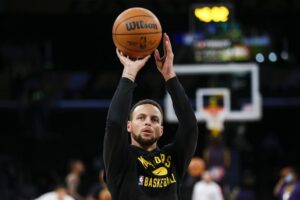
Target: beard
[144,142]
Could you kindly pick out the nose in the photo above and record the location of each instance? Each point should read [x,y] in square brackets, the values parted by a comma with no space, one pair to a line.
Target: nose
[148,122]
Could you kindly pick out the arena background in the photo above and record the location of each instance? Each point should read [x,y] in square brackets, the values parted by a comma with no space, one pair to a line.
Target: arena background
[58,71]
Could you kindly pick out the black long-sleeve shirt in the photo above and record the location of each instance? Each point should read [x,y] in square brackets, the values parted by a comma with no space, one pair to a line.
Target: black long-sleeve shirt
[135,174]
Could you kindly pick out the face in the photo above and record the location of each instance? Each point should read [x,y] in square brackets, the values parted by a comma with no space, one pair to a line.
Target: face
[79,167]
[206,176]
[145,126]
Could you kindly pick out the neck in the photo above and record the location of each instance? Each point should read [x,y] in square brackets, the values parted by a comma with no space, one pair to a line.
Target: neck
[144,147]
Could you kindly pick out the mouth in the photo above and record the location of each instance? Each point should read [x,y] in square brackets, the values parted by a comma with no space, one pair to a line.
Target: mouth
[147,131]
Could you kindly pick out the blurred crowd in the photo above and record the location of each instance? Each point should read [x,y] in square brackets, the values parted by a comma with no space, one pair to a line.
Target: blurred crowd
[16,183]
[215,173]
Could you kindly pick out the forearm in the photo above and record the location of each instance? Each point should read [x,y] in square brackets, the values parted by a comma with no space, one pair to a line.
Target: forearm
[121,102]
[181,104]
[115,137]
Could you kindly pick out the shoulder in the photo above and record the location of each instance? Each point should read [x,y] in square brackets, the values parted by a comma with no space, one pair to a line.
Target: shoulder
[198,184]
[48,195]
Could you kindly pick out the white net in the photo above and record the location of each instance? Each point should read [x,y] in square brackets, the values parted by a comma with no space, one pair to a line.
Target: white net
[214,118]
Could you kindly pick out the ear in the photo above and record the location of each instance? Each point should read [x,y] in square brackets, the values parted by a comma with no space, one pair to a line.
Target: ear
[129,126]
[161,131]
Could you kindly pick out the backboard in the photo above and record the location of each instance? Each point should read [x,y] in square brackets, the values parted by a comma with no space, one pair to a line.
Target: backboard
[234,86]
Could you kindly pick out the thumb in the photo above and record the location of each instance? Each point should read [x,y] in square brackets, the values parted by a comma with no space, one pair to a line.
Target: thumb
[156,55]
[147,58]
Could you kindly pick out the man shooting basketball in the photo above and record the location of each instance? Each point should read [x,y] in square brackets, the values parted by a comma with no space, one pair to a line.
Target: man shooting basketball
[141,170]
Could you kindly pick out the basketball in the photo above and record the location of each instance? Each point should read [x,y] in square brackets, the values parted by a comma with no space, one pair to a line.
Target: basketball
[196,167]
[136,32]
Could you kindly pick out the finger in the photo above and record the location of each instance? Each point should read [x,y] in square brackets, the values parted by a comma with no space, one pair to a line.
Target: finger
[164,43]
[118,52]
[156,55]
[145,59]
[120,56]
[168,44]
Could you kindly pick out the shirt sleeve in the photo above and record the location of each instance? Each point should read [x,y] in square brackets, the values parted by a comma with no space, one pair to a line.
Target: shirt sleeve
[187,132]
[116,144]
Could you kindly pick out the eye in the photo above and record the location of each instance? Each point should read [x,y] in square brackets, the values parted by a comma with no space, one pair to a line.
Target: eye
[141,117]
[155,119]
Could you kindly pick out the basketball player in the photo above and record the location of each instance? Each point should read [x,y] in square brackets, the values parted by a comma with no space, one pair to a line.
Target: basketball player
[141,170]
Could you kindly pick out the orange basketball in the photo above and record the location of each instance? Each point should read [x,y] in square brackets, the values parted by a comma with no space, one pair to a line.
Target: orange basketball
[196,167]
[137,32]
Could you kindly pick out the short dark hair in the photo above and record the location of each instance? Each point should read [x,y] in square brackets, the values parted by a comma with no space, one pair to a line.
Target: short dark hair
[145,101]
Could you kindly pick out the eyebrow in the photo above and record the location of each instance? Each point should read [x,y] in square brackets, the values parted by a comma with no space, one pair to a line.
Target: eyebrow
[143,114]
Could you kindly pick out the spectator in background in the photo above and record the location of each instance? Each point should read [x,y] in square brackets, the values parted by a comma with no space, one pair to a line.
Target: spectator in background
[194,172]
[77,168]
[104,194]
[59,193]
[217,158]
[245,191]
[207,189]
[99,191]
[288,185]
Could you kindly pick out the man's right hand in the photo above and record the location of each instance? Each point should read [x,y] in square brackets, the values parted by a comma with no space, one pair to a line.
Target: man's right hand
[131,67]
